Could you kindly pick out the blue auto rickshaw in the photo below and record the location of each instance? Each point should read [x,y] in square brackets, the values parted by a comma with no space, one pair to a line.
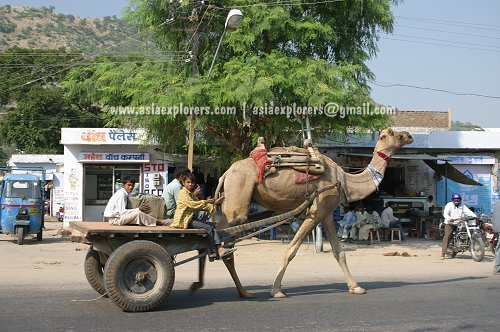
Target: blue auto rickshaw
[22,205]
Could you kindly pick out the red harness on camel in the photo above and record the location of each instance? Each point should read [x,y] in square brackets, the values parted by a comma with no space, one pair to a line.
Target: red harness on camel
[259,156]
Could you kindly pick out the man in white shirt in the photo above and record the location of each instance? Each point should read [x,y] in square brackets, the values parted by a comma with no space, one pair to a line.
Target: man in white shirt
[427,205]
[361,216]
[373,221]
[452,211]
[388,219]
[116,212]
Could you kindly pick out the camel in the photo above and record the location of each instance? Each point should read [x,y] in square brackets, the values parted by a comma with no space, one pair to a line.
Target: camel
[278,192]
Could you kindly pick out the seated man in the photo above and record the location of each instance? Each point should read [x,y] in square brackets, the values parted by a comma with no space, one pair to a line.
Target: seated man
[389,221]
[116,212]
[346,223]
[361,216]
[172,192]
[373,221]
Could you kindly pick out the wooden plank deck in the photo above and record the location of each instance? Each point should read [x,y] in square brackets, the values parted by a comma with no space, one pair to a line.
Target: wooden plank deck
[101,228]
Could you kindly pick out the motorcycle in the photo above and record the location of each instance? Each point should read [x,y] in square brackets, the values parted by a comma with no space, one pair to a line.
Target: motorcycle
[490,238]
[467,236]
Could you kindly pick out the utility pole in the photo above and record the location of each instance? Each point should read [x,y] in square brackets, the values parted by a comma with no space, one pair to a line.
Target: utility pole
[196,17]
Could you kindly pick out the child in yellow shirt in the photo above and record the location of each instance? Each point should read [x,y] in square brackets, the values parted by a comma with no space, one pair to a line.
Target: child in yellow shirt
[187,205]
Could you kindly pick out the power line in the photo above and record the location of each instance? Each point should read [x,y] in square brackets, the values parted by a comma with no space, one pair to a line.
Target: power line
[390,85]
[453,23]
[448,32]
[435,44]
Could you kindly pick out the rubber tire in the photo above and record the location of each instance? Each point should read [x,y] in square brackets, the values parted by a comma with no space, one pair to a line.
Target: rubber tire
[21,233]
[127,255]
[39,235]
[453,254]
[94,271]
[479,255]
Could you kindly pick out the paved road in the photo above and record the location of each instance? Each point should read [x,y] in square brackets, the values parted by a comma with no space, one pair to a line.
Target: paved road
[465,304]
[42,287]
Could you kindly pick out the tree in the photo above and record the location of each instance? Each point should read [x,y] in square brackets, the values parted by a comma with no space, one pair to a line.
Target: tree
[34,126]
[37,106]
[301,53]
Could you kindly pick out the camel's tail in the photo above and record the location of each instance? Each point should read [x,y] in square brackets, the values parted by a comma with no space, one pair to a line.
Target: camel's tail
[219,186]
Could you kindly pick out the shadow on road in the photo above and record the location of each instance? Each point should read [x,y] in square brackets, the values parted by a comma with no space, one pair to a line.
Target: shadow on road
[181,299]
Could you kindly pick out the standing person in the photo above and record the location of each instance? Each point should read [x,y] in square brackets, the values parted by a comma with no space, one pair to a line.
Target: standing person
[427,205]
[388,219]
[495,221]
[452,211]
[116,212]
[496,268]
[187,205]
[172,191]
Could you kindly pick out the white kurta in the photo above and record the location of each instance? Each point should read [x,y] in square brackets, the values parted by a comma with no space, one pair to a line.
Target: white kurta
[116,212]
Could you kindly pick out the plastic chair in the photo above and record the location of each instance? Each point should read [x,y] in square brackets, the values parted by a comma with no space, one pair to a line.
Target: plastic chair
[395,230]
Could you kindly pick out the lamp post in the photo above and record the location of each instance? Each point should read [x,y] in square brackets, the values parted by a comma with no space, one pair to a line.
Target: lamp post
[233,21]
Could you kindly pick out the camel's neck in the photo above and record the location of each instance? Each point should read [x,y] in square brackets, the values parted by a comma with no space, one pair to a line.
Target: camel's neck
[361,185]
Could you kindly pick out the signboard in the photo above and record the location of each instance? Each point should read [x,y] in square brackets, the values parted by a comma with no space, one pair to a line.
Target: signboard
[102,136]
[155,175]
[478,197]
[111,157]
[468,160]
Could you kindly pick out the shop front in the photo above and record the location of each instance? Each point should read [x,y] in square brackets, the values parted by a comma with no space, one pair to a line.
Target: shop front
[97,159]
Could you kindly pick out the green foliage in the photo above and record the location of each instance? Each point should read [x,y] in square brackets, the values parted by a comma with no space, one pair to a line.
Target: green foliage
[464,126]
[7,27]
[301,54]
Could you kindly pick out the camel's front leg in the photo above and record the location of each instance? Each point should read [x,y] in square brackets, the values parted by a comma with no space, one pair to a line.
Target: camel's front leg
[306,228]
[229,262]
[339,255]
[201,272]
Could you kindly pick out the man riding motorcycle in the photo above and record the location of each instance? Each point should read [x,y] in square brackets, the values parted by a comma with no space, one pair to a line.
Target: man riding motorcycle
[452,211]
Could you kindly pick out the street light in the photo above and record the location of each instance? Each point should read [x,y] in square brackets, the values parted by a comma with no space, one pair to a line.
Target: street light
[233,21]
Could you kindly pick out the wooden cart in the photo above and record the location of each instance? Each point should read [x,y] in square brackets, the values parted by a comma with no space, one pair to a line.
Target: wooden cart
[134,265]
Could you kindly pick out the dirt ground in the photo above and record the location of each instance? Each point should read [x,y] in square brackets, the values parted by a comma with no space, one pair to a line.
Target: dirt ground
[57,261]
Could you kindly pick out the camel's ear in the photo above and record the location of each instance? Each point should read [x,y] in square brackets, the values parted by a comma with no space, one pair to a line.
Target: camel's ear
[390,132]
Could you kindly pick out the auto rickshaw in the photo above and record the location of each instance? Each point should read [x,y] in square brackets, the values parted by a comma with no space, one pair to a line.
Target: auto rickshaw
[22,205]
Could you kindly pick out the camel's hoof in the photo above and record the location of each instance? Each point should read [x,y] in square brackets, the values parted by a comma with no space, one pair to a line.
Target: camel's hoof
[357,290]
[247,295]
[195,286]
[278,294]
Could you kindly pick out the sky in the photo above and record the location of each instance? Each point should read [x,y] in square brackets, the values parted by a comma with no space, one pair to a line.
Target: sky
[448,45]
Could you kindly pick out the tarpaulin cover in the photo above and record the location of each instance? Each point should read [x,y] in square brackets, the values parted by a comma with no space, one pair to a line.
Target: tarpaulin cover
[157,204]
[451,173]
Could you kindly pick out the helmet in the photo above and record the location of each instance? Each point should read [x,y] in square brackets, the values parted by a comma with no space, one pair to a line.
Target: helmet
[456,198]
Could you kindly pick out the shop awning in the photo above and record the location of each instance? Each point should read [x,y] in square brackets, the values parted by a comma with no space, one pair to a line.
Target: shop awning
[451,173]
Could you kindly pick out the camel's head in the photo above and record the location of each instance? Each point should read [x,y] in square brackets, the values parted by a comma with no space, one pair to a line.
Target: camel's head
[391,141]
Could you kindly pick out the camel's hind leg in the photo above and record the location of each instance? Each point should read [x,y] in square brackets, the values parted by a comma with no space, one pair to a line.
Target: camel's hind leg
[306,228]
[339,255]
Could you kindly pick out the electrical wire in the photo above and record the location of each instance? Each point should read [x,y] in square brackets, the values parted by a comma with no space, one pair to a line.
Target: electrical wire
[389,85]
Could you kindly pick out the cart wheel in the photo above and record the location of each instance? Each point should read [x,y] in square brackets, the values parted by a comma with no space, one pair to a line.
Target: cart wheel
[94,271]
[39,235]
[139,276]
[20,235]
